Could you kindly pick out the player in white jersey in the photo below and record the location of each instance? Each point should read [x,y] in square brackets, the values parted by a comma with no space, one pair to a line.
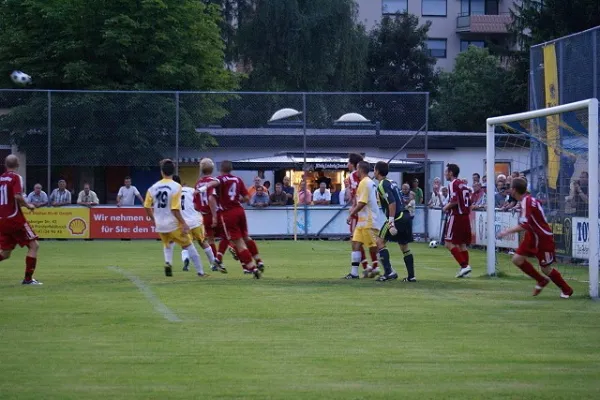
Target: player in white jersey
[367,209]
[194,220]
[163,206]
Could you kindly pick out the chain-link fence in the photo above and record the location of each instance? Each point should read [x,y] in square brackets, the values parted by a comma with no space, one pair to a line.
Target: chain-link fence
[100,137]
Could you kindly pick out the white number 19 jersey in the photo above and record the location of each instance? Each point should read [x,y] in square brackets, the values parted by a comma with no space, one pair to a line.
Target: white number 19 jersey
[192,217]
[164,196]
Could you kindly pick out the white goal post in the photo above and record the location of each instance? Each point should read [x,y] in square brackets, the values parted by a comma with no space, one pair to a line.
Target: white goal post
[591,105]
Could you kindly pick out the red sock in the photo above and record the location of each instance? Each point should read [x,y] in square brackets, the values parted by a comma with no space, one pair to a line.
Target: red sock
[246,259]
[223,244]
[214,248]
[532,272]
[465,255]
[458,256]
[559,281]
[253,250]
[363,258]
[374,258]
[30,263]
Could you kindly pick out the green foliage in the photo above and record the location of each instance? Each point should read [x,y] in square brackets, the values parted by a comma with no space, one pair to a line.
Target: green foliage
[398,59]
[478,88]
[111,44]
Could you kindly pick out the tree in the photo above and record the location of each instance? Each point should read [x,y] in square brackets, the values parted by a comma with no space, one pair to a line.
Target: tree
[126,45]
[478,88]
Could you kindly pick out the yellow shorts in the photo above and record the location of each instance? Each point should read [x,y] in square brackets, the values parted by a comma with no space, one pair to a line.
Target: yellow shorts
[198,233]
[366,236]
[177,237]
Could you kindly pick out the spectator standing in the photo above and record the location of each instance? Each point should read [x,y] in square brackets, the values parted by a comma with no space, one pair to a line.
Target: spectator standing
[335,195]
[87,197]
[476,178]
[484,181]
[477,195]
[60,196]
[267,186]
[322,196]
[417,191]
[289,190]
[260,199]
[322,178]
[38,197]
[279,197]
[127,194]
[445,197]
[304,195]
[436,198]
[254,188]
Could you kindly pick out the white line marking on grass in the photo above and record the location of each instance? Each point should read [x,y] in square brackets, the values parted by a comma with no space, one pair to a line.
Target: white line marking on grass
[159,306]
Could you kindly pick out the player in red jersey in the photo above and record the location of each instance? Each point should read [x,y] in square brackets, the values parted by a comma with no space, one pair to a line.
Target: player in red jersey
[230,189]
[206,204]
[538,241]
[372,270]
[14,229]
[458,226]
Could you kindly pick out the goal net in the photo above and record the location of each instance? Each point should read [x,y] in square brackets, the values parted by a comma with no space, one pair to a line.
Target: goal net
[556,150]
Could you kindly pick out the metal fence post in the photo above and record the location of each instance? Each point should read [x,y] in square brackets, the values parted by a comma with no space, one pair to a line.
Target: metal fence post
[49,183]
[561,86]
[426,165]
[177,133]
[595,64]
[304,164]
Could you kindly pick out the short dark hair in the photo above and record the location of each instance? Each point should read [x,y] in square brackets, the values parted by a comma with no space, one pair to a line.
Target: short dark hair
[167,167]
[382,168]
[226,166]
[177,179]
[478,176]
[279,184]
[519,185]
[454,169]
[364,167]
[127,178]
[355,158]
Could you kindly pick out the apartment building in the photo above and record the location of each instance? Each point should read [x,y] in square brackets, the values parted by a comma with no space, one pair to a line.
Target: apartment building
[455,24]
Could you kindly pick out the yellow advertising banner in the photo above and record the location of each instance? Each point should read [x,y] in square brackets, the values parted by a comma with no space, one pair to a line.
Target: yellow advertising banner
[60,223]
[552,121]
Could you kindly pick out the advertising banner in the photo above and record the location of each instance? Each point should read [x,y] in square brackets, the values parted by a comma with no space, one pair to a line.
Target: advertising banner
[581,238]
[121,223]
[60,223]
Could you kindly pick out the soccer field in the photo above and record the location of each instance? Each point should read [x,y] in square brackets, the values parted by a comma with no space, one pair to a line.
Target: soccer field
[94,332]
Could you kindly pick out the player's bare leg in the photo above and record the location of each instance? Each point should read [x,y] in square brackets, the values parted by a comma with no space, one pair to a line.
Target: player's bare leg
[566,291]
[458,254]
[246,258]
[31,263]
[251,244]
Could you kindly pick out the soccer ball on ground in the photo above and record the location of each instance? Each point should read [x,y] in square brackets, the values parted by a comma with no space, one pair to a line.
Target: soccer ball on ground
[433,244]
[20,78]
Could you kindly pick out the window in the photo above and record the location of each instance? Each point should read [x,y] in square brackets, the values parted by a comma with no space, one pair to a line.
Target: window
[479,7]
[433,8]
[437,47]
[395,6]
[464,44]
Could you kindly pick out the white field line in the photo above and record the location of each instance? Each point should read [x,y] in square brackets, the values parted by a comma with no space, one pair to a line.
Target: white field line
[159,306]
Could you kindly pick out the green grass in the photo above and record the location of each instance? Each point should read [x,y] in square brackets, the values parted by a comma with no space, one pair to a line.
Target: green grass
[301,332]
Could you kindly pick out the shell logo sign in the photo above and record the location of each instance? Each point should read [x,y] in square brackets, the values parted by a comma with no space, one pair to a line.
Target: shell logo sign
[77,226]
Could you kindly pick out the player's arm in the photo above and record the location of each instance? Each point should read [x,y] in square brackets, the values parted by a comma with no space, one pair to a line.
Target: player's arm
[391,200]
[22,202]
[212,204]
[148,206]
[514,229]
[205,187]
[362,197]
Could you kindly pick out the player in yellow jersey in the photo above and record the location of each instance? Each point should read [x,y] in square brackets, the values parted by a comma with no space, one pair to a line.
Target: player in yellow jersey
[163,206]
[367,227]
[194,220]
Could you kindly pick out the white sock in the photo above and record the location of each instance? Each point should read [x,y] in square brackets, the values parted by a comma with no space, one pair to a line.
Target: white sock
[210,255]
[168,250]
[355,260]
[184,255]
[195,257]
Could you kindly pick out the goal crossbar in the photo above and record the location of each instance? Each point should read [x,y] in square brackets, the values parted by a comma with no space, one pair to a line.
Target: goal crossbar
[591,105]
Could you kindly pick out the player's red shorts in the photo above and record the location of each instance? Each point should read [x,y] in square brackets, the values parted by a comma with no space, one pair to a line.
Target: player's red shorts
[234,224]
[208,228]
[15,232]
[458,230]
[544,250]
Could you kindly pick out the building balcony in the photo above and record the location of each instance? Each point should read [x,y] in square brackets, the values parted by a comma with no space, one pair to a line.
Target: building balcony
[486,24]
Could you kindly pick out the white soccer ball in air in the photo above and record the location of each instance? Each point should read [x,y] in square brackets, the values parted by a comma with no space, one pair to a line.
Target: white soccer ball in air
[20,78]
[433,244]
